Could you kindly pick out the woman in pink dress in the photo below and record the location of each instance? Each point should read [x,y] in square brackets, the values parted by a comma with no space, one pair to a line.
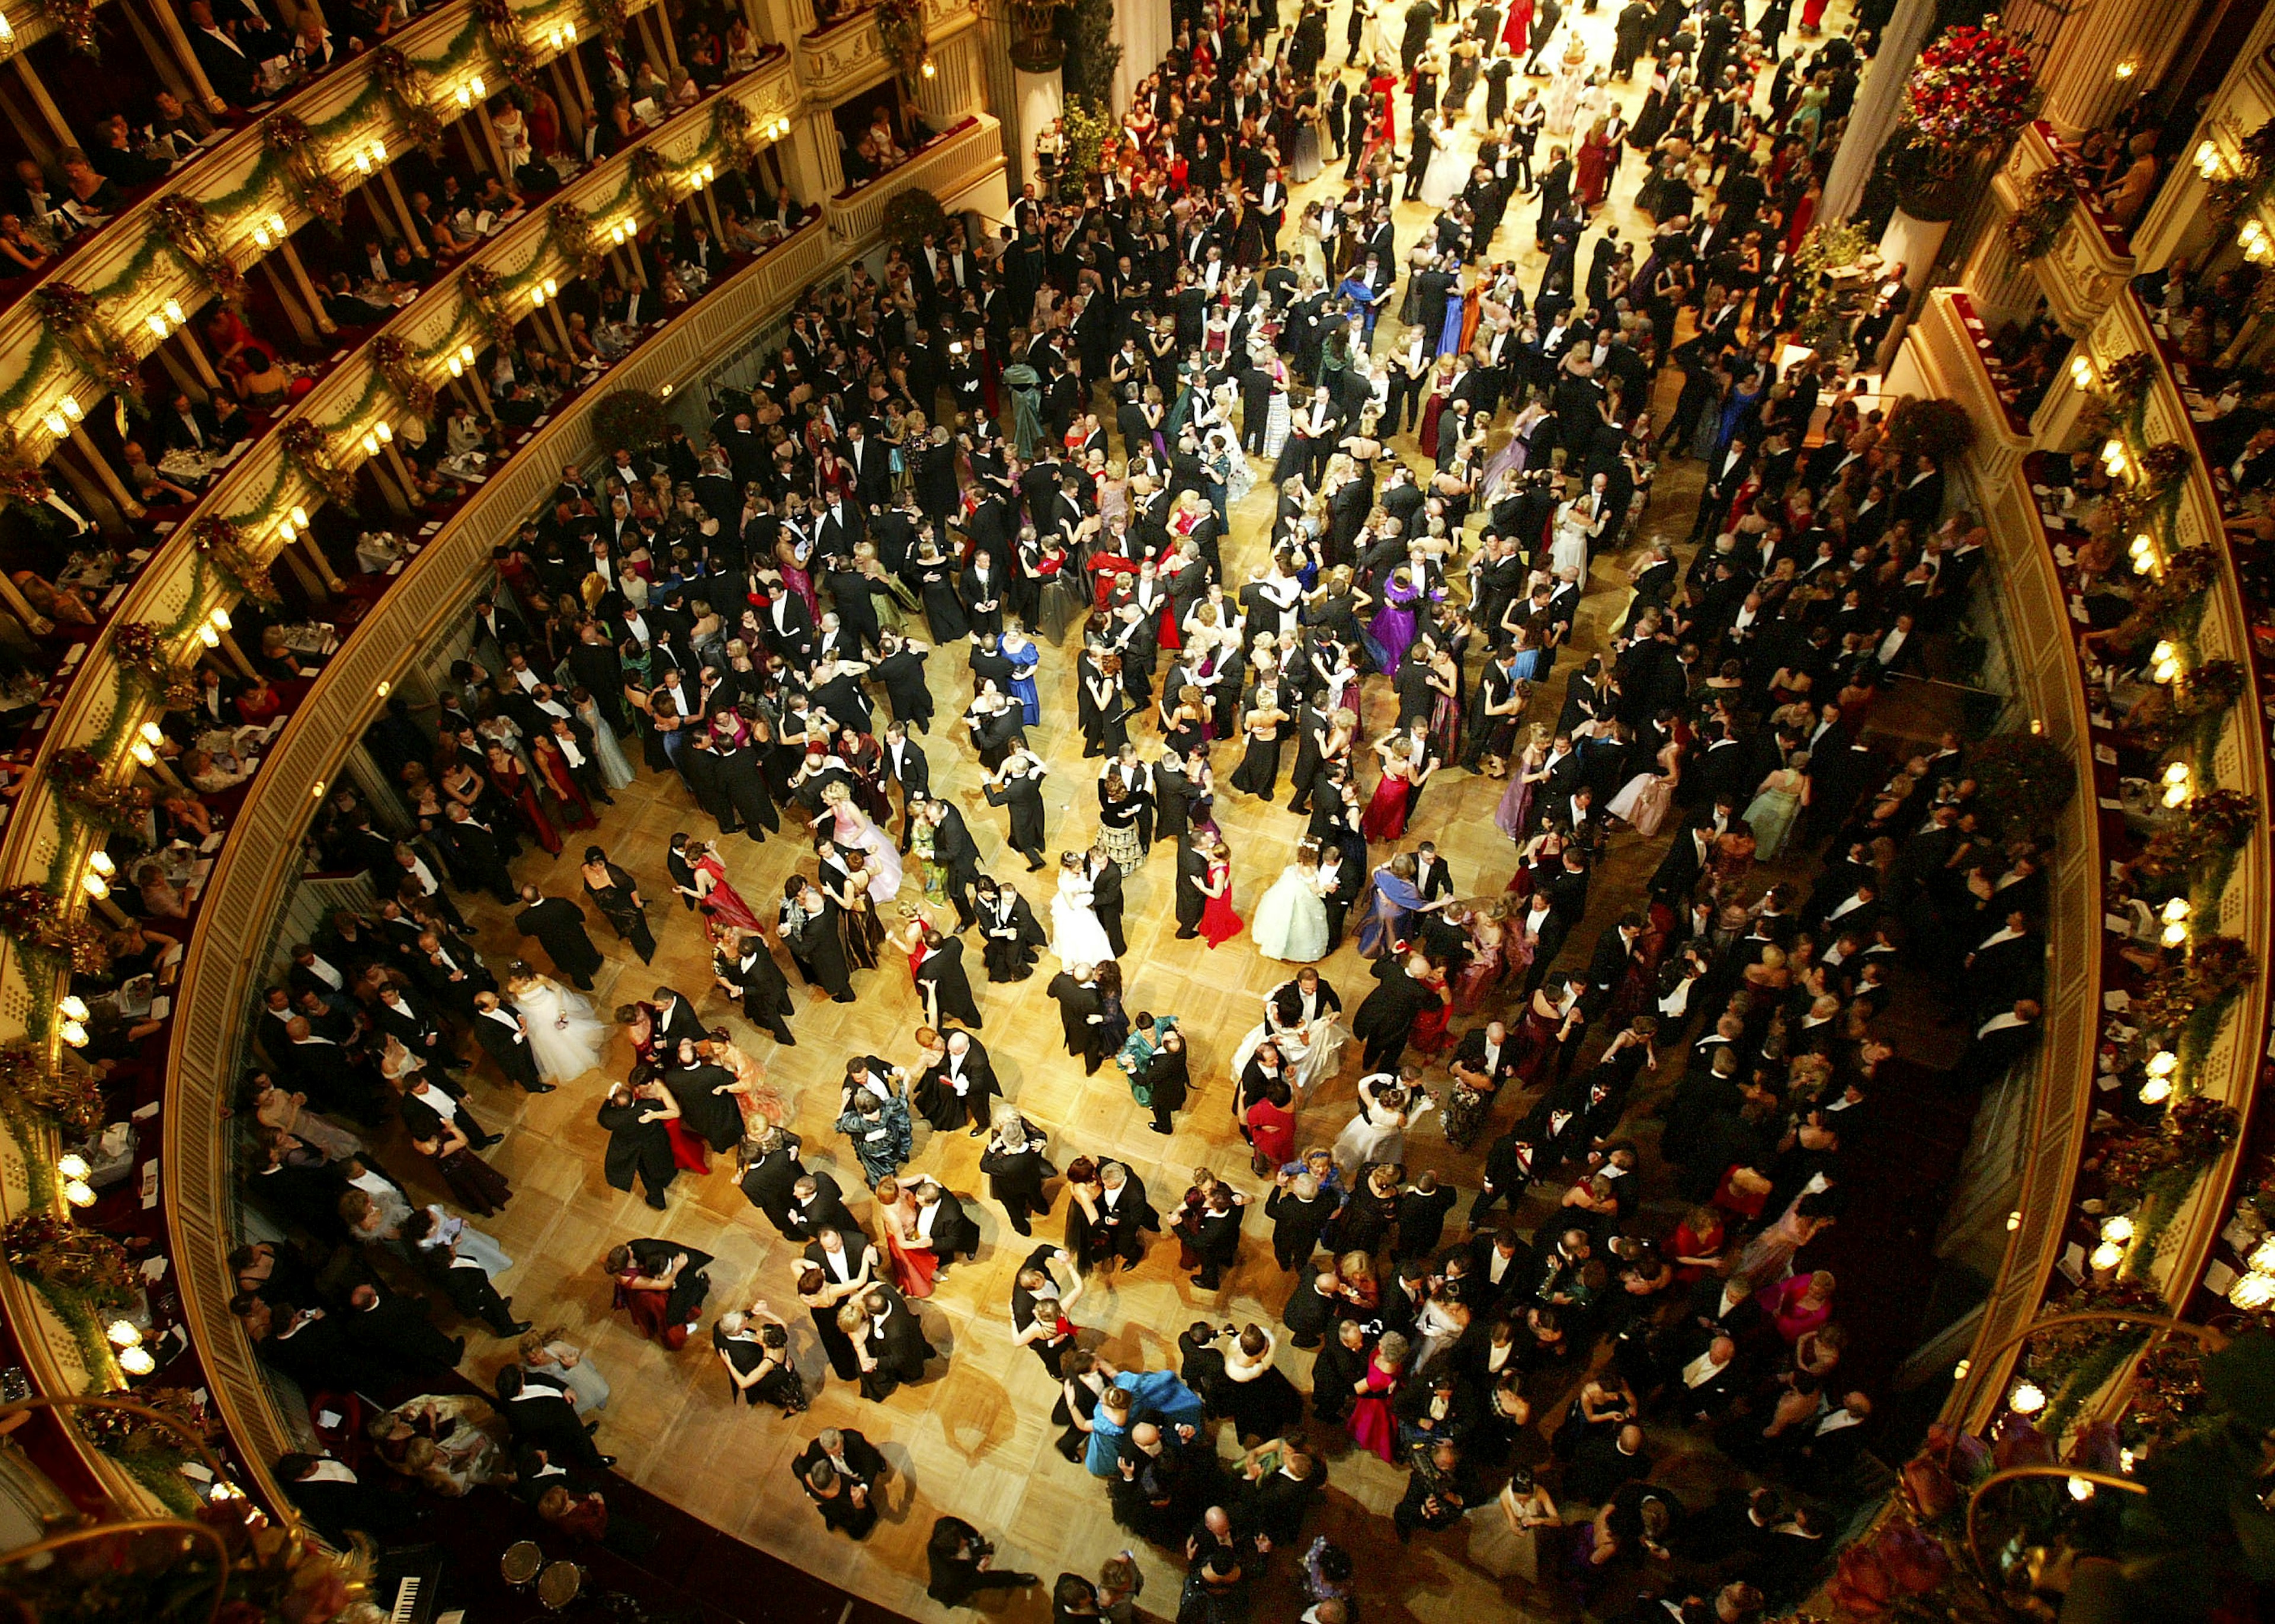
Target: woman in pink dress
[911,1256]
[1372,1424]
[1218,922]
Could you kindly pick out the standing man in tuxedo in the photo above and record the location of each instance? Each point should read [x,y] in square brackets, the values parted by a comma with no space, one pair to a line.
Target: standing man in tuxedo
[505,1035]
[1105,899]
[1193,870]
[676,1018]
[559,924]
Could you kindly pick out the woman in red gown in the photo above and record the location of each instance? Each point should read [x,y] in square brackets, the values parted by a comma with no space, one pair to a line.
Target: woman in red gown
[688,1152]
[1384,819]
[1594,164]
[1218,922]
[507,778]
[553,772]
[717,897]
[907,1251]
[1372,1426]
[1430,1034]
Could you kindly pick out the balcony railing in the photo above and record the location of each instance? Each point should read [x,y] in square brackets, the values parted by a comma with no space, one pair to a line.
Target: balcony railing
[2089,982]
[131,269]
[848,55]
[2092,260]
[952,164]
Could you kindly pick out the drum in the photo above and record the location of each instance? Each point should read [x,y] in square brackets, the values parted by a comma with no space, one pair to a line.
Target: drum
[558,1585]
[521,1563]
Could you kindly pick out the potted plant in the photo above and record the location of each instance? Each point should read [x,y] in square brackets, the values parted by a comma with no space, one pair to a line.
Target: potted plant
[2027,776]
[632,418]
[1969,92]
[1932,426]
[912,215]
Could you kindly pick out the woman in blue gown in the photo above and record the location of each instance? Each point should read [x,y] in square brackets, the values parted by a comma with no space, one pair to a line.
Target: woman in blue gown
[1024,655]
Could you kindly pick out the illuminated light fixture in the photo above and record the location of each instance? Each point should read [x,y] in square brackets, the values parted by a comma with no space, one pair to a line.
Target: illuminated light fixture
[2113,458]
[666,391]
[7,31]
[2081,371]
[138,1362]
[930,71]
[73,1009]
[173,310]
[79,1192]
[2014,1220]
[100,862]
[299,516]
[94,885]
[561,35]
[361,161]
[2126,69]
[2208,160]
[73,1166]
[2257,246]
[2081,1489]
[457,367]
[157,324]
[2252,1292]
[208,636]
[2143,551]
[466,354]
[261,235]
[371,445]
[2156,1091]
[65,414]
[1959,1371]
[2165,661]
[537,298]
[617,233]
[57,425]
[2119,1229]
[284,531]
[2124,1462]
[151,732]
[709,173]
[316,790]
[2262,1256]
[143,754]
[383,689]
[2176,783]
[218,620]
[385,431]
[123,1334]
[2107,1256]
[2027,1399]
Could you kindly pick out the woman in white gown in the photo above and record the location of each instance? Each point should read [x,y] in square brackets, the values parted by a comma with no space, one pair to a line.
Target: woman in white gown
[565,1039]
[854,829]
[1451,159]
[1309,1049]
[1563,98]
[1077,937]
[1378,1133]
[1291,922]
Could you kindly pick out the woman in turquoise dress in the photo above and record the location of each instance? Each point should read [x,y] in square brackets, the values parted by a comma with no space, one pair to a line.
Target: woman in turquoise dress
[1154,1395]
[1770,814]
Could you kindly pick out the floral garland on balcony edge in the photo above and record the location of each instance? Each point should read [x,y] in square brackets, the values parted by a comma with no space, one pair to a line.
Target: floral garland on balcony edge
[189,232]
[76,775]
[572,236]
[73,315]
[612,17]
[901,31]
[33,918]
[311,451]
[401,81]
[731,124]
[392,356]
[2035,227]
[294,145]
[224,547]
[2195,703]
[516,58]
[140,647]
[652,176]
[71,1102]
[74,19]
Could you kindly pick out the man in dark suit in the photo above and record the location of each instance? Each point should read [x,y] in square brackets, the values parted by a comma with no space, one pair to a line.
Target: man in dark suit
[816,1204]
[840,1471]
[1678,872]
[340,1503]
[892,1348]
[1123,1213]
[906,765]
[504,1037]
[1192,869]
[676,1018]
[957,1088]
[559,924]
[953,851]
[538,1407]
[1105,899]
[770,1175]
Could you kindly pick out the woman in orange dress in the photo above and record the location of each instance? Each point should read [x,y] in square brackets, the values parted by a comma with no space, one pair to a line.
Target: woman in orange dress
[907,1249]
[760,1104]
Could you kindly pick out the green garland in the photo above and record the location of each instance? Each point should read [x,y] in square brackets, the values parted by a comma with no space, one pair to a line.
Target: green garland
[2035,227]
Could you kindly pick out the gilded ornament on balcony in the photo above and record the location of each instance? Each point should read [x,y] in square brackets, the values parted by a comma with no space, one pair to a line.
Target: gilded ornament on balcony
[1036,47]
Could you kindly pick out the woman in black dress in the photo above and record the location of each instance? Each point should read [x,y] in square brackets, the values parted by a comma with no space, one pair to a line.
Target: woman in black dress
[941,983]
[1017,1167]
[943,605]
[616,895]
[1265,725]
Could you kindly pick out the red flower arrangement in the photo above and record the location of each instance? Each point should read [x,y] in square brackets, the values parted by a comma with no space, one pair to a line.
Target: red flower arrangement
[1970,88]
[76,775]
